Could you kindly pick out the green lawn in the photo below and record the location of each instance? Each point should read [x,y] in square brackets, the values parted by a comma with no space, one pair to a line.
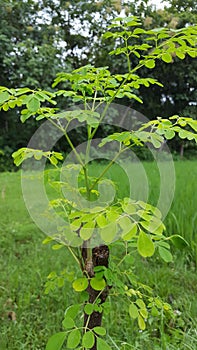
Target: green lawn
[28,316]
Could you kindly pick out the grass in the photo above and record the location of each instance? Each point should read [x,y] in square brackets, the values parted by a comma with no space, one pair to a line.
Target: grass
[28,316]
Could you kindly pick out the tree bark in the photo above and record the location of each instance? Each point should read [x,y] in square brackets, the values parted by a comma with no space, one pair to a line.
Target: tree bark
[100,257]
[182,150]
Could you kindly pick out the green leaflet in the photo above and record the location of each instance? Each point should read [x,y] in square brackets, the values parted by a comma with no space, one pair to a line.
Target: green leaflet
[80,284]
[131,233]
[56,341]
[133,311]
[89,308]
[97,284]
[88,340]
[154,226]
[87,230]
[33,104]
[4,96]
[193,124]
[108,232]
[150,64]
[72,311]
[145,245]
[125,223]
[68,323]
[169,134]
[100,330]
[101,220]
[74,339]
[141,304]
[57,246]
[141,323]
[166,57]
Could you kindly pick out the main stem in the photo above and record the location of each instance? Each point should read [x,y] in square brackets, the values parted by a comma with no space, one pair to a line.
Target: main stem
[99,257]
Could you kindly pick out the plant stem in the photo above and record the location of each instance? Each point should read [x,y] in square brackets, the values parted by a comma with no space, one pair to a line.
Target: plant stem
[74,255]
[69,141]
[106,169]
[88,319]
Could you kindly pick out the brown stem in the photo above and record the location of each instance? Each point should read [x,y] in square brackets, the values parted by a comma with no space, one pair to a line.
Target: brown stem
[100,257]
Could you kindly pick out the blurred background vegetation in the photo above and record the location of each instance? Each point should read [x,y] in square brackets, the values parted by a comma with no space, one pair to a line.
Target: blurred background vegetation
[40,38]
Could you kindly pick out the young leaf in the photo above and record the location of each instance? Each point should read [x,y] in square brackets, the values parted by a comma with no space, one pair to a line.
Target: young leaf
[97,284]
[101,221]
[108,232]
[73,339]
[56,341]
[4,96]
[80,284]
[6,107]
[33,104]
[112,215]
[145,245]
[68,323]
[89,308]
[193,124]
[144,313]
[169,134]
[99,330]
[154,226]
[141,304]
[141,322]
[166,57]
[154,311]
[53,160]
[57,246]
[47,240]
[132,232]
[180,55]
[155,141]
[150,64]
[129,208]
[72,311]
[25,116]
[88,340]
[133,311]
[125,224]
[86,232]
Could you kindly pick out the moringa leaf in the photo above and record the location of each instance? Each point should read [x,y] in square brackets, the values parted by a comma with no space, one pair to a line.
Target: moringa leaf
[133,311]
[56,341]
[141,323]
[150,64]
[74,338]
[99,330]
[68,323]
[88,340]
[145,245]
[97,284]
[33,104]
[80,284]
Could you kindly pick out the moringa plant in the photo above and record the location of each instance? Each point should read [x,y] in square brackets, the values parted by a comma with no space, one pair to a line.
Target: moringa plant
[101,229]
